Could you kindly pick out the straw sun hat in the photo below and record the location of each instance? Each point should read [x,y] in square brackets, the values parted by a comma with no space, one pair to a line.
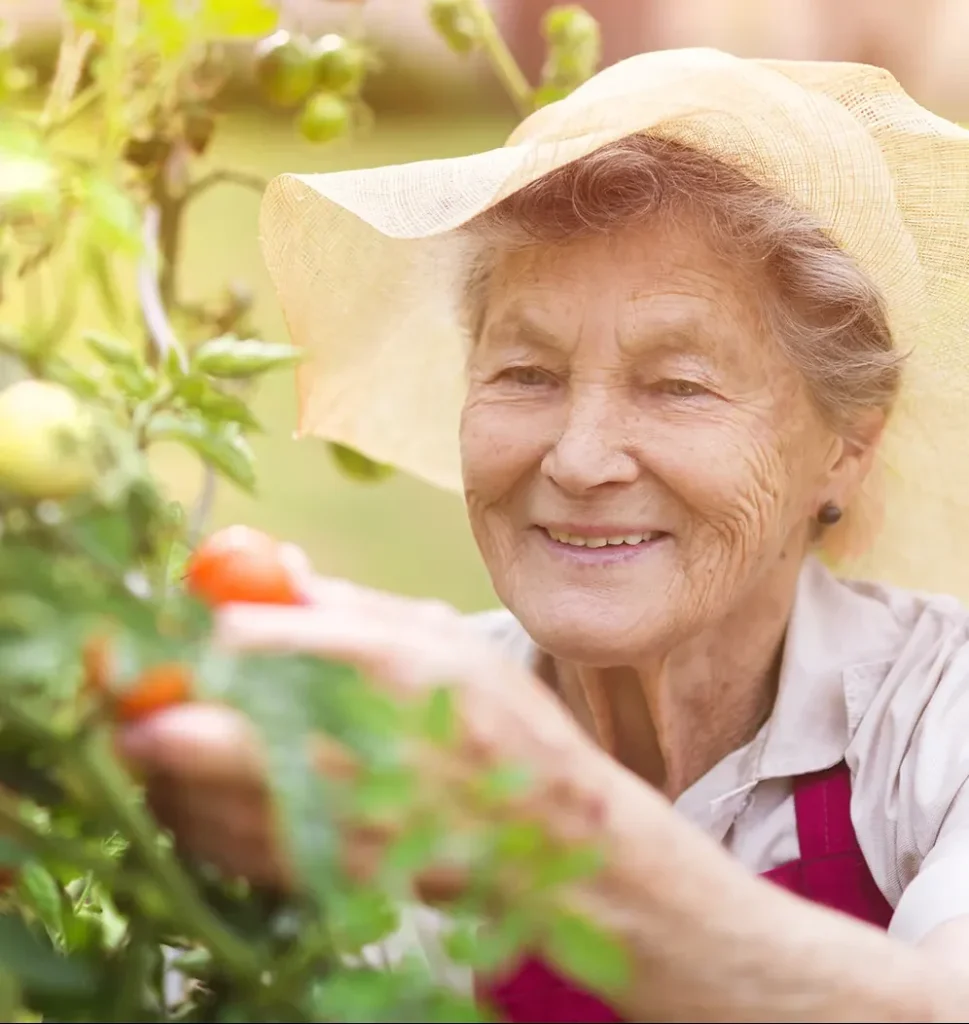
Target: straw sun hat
[364,265]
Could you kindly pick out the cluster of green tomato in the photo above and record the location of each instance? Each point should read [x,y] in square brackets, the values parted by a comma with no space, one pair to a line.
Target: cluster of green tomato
[323,76]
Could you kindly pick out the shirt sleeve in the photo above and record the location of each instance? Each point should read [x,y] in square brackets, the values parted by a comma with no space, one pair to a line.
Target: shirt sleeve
[940,890]
[910,759]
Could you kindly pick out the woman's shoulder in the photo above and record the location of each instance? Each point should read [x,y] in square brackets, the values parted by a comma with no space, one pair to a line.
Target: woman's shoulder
[906,701]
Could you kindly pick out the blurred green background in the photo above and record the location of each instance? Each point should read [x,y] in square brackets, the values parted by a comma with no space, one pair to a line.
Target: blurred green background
[401,534]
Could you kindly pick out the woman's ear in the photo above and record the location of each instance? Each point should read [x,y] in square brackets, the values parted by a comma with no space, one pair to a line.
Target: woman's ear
[852,457]
[849,476]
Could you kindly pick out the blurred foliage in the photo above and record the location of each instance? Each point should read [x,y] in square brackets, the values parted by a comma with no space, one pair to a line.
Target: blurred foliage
[100,918]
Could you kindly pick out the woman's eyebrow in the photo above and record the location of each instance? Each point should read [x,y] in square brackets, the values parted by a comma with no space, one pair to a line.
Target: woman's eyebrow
[518,328]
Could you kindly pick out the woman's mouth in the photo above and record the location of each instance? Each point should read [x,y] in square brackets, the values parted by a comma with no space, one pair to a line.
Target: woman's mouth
[601,549]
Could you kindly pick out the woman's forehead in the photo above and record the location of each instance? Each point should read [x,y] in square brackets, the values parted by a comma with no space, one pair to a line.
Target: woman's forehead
[647,299]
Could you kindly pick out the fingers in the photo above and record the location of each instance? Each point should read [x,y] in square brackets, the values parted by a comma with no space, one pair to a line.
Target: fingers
[209,743]
[388,645]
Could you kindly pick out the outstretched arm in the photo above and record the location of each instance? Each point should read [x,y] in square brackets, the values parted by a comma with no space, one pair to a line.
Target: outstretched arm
[708,941]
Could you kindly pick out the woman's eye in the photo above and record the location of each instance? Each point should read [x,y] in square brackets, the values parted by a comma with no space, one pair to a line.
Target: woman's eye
[681,388]
[526,376]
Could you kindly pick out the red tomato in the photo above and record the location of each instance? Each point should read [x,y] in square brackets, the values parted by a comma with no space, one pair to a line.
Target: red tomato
[241,564]
[160,687]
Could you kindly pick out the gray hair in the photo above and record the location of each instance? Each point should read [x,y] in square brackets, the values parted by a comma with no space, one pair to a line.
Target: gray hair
[829,317]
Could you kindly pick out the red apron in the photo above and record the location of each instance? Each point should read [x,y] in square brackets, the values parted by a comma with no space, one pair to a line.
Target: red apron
[831,870]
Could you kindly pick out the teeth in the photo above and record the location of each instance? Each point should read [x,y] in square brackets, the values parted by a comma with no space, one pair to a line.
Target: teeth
[599,542]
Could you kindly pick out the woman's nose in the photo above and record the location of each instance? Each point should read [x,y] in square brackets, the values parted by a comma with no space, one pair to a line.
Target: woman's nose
[593,448]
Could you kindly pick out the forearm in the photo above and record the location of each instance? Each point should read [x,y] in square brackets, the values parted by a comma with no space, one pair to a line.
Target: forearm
[707,941]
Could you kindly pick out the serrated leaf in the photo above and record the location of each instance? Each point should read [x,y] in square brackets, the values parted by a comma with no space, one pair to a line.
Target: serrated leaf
[585,953]
[37,965]
[112,350]
[63,372]
[240,358]
[224,450]
[137,382]
[42,894]
[201,394]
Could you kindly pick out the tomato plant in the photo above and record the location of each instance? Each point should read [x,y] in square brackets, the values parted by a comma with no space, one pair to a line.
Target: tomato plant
[107,594]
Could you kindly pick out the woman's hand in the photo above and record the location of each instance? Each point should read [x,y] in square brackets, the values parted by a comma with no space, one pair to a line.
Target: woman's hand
[203,765]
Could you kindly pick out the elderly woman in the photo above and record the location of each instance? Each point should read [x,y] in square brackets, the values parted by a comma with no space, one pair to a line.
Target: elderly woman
[700,330]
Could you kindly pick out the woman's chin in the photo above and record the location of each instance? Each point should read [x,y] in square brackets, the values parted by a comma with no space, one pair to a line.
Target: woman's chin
[594,641]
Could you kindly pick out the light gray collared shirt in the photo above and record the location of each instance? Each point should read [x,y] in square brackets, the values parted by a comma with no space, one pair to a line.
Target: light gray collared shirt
[875,676]
[872,675]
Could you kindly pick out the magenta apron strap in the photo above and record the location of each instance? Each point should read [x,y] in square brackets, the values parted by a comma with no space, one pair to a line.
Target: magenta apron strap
[832,869]
[822,804]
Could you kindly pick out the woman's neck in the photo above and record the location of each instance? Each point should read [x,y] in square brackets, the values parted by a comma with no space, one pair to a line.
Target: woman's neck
[671,718]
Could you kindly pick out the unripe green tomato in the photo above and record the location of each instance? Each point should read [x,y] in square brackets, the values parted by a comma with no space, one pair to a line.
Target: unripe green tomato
[284,68]
[357,466]
[454,24]
[28,187]
[569,26]
[46,441]
[339,65]
[325,117]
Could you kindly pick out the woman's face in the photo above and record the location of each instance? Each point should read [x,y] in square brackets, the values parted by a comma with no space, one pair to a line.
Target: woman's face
[638,453]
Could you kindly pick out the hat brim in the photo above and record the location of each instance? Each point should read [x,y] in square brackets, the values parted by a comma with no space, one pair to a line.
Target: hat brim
[367,265]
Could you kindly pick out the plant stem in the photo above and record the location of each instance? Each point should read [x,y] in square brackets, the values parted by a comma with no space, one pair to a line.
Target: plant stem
[81,103]
[107,782]
[502,60]
[245,179]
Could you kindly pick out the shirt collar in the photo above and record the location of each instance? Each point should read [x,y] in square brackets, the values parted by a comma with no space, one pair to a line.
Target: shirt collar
[840,635]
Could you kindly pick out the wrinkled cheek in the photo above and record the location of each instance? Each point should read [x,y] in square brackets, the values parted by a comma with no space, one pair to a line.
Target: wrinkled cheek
[491,468]
[740,511]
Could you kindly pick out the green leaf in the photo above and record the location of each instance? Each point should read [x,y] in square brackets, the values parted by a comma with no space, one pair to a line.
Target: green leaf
[438,718]
[114,224]
[63,372]
[415,849]
[585,953]
[382,791]
[359,917]
[237,18]
[42,894]
[215,404]
[112,350]
[100,273]
[165,27]
[564,867]
[106,536]
[487,947]
[37,965]
[222,448]
[501,784]
[239,358]
[357,466]
[137,382]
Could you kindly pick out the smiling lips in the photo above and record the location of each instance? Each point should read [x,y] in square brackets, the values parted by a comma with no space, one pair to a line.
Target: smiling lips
[588,541]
